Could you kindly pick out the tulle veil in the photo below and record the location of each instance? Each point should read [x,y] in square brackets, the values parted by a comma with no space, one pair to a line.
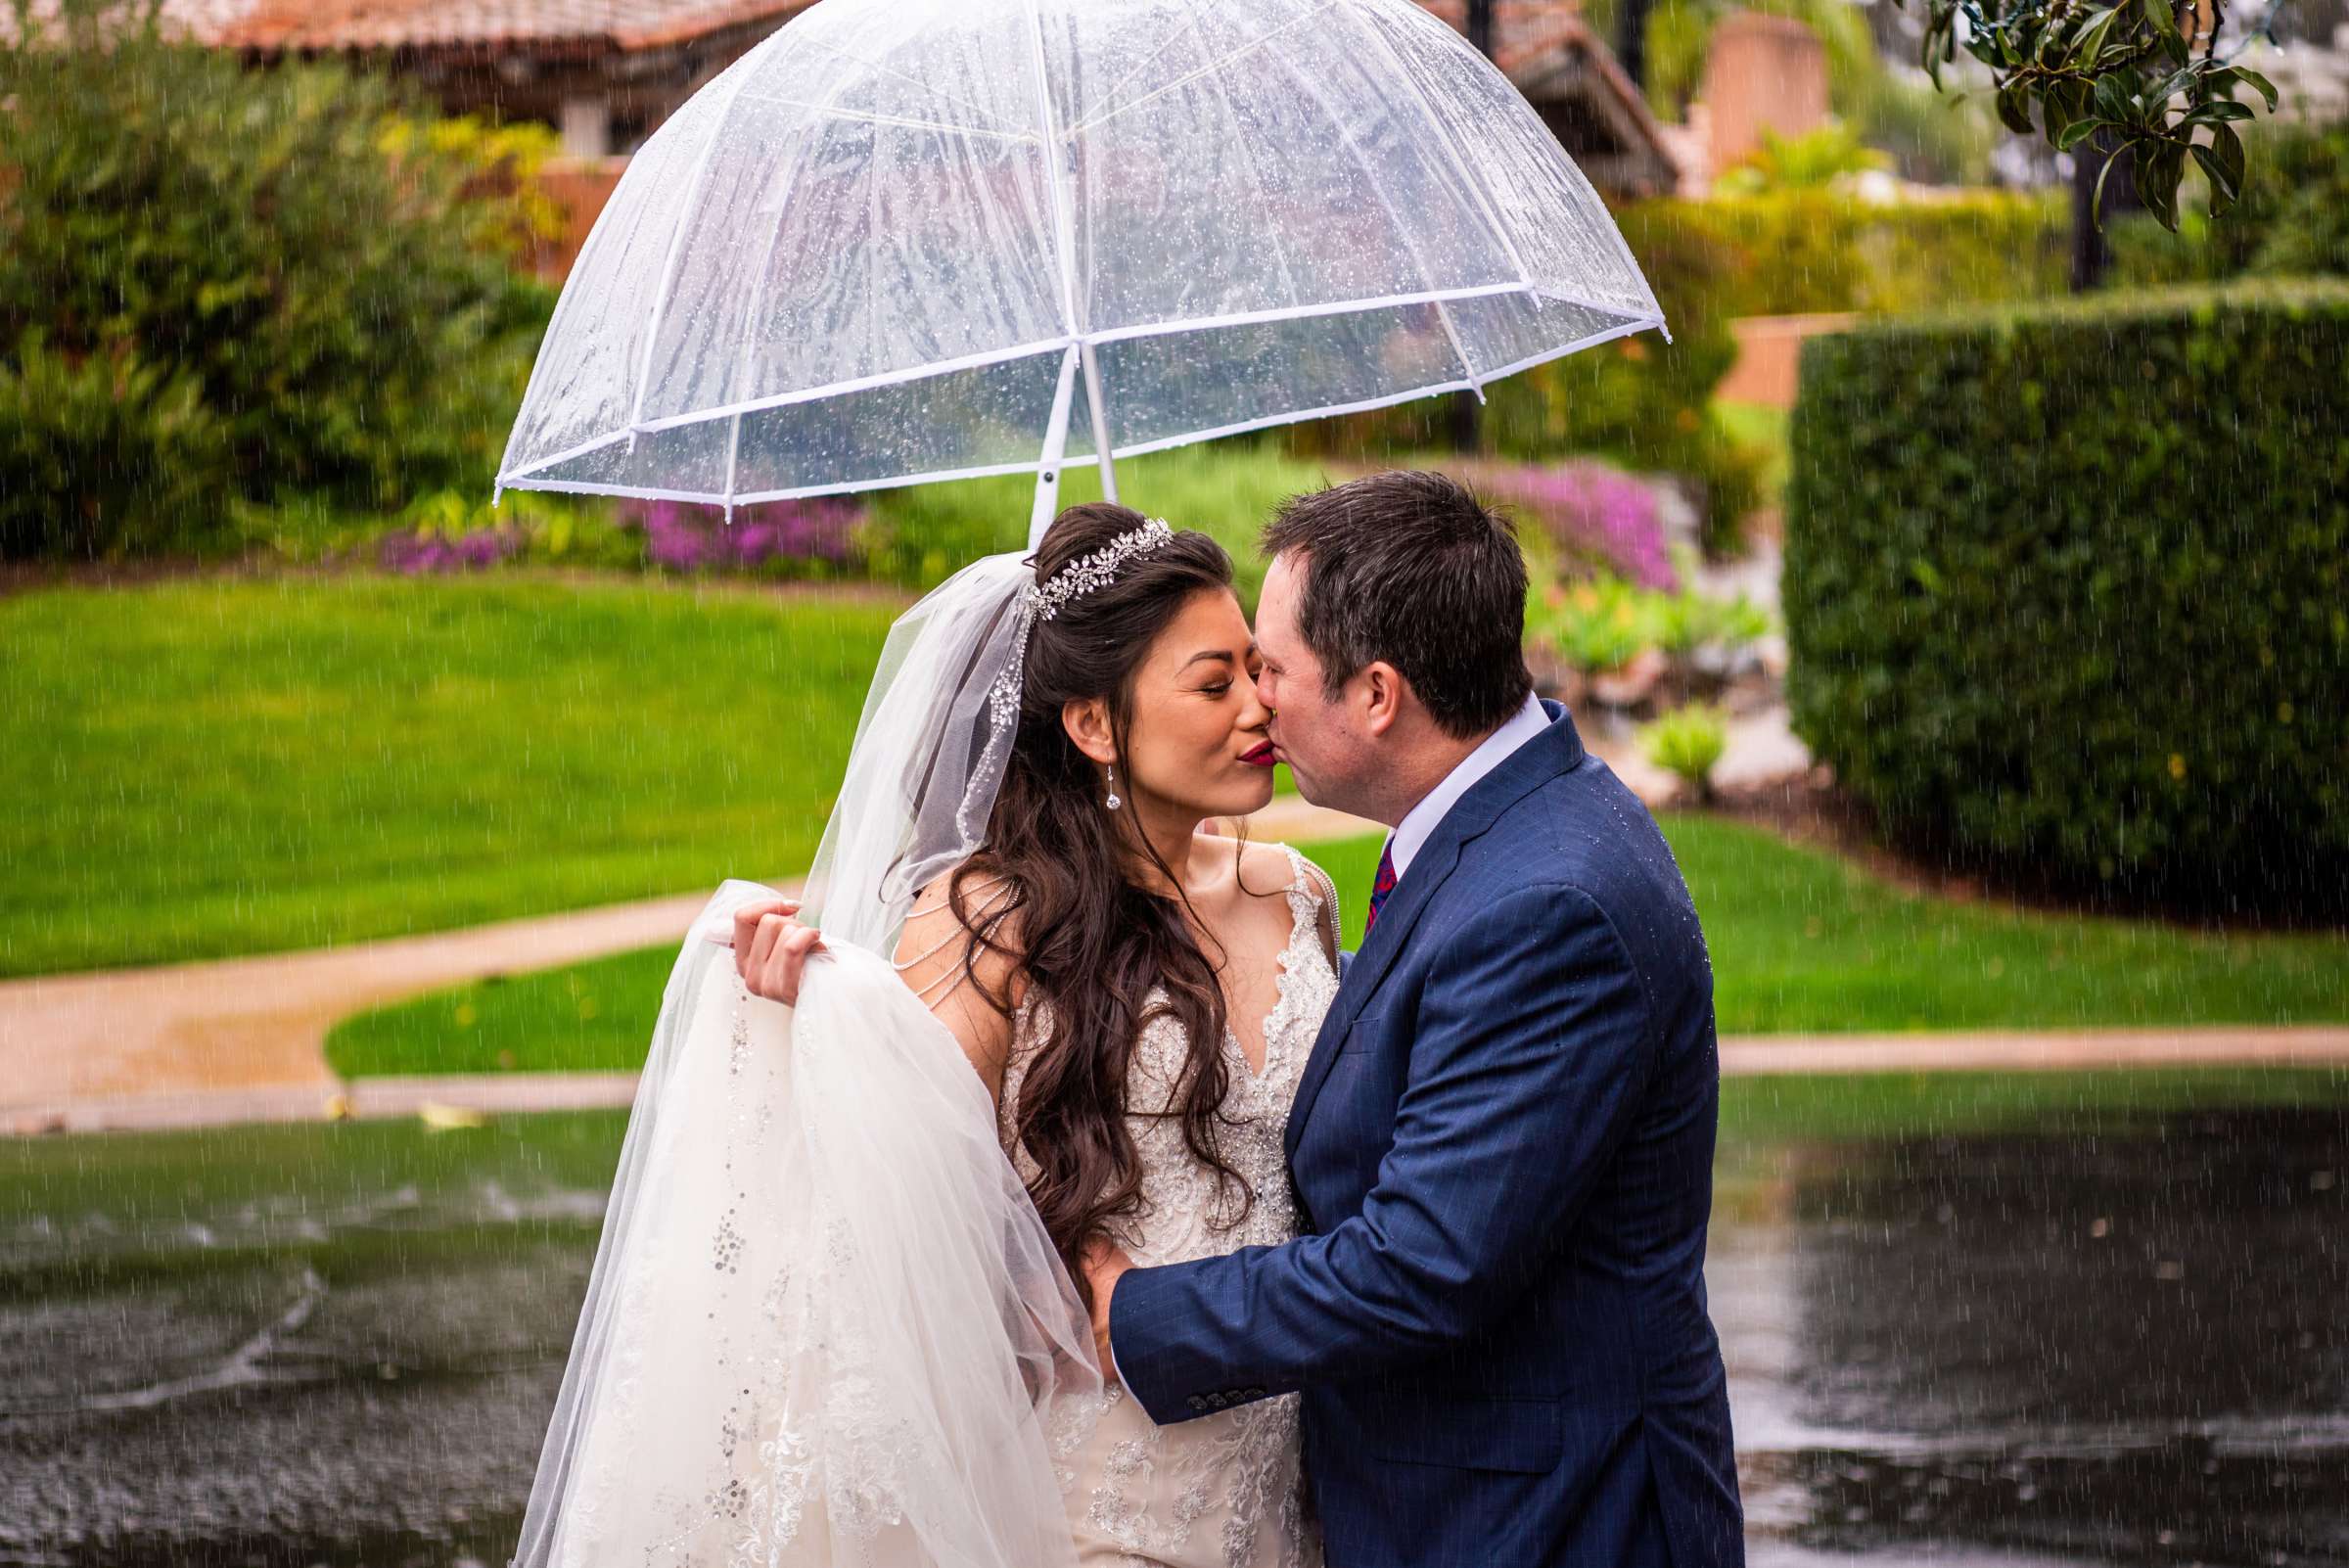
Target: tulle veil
[825,1323]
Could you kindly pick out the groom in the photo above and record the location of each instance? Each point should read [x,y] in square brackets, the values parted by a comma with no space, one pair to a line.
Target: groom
[1502,1143]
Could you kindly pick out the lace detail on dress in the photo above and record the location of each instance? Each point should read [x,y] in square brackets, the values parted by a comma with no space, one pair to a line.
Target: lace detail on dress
[1223,1491]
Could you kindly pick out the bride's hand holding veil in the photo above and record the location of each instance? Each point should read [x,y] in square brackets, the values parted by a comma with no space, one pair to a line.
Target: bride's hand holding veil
[772,949]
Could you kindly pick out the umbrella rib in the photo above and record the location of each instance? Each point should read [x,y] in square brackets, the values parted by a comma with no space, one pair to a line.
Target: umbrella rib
[915,81]
[1427,276]
[871,119]
[1329,307]
[1599,306]
[1049,461]
[646,492]
[1239,144]
[676,240]
[767,268]
[1189,30]
[836,388]
[1389,399]
[1443,136]
[1208,68]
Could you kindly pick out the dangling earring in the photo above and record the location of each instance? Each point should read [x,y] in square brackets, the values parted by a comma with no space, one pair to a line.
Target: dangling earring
[1112,802]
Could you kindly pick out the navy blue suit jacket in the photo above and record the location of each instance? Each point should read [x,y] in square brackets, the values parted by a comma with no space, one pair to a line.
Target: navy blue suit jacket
[1503,1145]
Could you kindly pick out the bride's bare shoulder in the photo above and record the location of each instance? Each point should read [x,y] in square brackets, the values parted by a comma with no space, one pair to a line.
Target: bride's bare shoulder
[965,920]
[1275,870]
[1267,869]
[961,954]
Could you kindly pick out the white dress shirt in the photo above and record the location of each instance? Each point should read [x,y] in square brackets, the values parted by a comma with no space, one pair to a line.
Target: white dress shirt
[1420,822]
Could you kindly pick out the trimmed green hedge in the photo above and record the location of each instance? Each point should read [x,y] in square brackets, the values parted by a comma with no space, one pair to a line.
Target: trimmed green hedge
[2067,589]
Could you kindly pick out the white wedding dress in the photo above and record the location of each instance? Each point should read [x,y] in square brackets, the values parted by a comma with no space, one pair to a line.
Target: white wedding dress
[1223,1491]
[825,1325]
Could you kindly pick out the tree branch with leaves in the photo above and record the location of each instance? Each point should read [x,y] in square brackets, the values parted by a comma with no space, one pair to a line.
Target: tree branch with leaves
[2144,77]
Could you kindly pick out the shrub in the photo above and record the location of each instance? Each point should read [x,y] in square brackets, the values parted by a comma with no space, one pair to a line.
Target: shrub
[1595,627]
[416,551]
[1825,157]
[2067,589]
[1600,625]
[1685,624]
[774,539]
[336,282]
[1688,742]
[2291,220]
[99,456]
[460,530]
[1597,517]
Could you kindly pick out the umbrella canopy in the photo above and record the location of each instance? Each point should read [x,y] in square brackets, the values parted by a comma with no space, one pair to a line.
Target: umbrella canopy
[912,240]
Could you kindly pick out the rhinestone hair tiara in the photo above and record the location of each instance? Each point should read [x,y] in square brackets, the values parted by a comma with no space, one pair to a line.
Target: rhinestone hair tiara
[1098,570]
[1041,601]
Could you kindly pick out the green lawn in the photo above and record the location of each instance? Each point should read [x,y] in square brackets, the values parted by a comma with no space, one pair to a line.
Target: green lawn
[209,767]
[217,766]
[1805,942]
[1800,942]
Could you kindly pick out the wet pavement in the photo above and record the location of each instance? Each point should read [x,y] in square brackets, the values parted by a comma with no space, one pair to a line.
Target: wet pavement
[2126,1348]
[338,1346]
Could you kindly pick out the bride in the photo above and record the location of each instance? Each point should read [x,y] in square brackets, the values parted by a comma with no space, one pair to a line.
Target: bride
[834,1314]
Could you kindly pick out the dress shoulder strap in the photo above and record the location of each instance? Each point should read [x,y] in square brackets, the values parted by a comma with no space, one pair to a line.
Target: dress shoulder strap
[1309,880]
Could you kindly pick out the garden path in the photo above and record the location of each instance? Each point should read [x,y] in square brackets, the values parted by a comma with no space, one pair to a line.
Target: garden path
[243,1040]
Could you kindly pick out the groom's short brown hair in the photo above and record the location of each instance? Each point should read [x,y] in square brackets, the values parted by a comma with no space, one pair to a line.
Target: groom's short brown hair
[1410,568]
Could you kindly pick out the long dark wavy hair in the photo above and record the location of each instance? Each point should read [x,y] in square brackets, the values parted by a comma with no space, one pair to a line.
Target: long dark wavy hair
[1084,937]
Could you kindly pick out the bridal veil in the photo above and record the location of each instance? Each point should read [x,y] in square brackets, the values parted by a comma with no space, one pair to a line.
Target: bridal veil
[825,1323]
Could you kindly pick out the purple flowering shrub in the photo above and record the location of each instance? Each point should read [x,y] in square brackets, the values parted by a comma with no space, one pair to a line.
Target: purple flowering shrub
[683,536]
[1591,510]
[454,531]
[415,551]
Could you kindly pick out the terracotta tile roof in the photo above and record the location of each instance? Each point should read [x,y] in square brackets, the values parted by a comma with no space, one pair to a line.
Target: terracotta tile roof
[272,26]
[1523,29]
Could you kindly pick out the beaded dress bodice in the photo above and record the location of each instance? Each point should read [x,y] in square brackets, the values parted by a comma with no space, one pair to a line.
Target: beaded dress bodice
[1223,1491]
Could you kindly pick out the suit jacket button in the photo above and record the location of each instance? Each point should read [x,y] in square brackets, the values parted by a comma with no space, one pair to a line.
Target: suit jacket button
[1196,1402]
[1252,1393]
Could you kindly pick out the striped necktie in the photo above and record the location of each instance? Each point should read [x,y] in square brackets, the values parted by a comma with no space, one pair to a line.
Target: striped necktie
[1379,889]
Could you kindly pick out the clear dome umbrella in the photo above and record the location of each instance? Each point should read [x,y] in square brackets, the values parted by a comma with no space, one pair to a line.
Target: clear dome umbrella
[902,241]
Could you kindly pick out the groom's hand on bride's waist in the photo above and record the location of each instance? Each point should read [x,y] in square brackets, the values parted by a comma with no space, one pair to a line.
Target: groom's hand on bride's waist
[1104,1261]
[772,949]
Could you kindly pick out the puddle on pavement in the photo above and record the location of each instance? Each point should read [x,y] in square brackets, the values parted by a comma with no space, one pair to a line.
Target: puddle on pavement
[340,1346]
